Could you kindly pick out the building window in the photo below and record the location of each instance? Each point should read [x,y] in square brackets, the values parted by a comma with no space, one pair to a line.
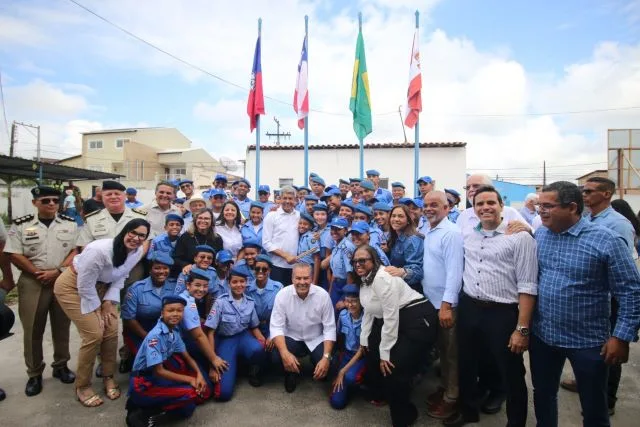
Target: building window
[120,142]
[180,171]
[384,183]
[96,168]
[95,145]
[283,182]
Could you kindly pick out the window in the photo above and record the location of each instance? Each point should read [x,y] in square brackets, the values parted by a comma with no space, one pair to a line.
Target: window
[180,171]
[384,183]
[97,168]
[120,142]
[95,145]
[282,182]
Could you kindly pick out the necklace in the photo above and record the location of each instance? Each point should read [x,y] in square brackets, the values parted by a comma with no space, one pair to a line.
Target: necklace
[195,237]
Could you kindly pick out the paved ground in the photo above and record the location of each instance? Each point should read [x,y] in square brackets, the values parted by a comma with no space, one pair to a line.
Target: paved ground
[265,406]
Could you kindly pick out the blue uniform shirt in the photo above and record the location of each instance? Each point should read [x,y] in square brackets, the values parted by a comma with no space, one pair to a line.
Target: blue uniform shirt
[407,253]
[305,243]
[249,232]
[214,288]
[264,299]
[191,317]
[159,345]
[454,213]
[163,244]
[267,208]
[132,205]
[244,205]
[144,303]
[326,242]
[350,328]
[230,317]
[341,256]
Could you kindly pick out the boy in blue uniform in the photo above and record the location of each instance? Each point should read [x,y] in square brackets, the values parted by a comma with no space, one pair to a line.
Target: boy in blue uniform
[263,290]
[252,229]
[166,242]
[263,196]
[365,214]
[233,332]
[224,262]
[165,378]
[203,259]
[250,250]
[360,235]
[340,261]
[143,303]
[322,233]
[309,245]
[309,202]
[351,362]
[346,211]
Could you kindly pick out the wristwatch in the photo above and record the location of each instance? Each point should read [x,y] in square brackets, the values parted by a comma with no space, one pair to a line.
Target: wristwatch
[327,356]
[524,331]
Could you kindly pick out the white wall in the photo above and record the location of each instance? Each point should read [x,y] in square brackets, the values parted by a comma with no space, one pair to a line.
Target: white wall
[447,165]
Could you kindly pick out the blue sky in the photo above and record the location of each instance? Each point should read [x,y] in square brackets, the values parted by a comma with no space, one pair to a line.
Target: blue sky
[70,71]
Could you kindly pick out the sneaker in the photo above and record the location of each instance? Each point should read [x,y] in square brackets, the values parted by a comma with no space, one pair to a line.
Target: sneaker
[442,410]
[290,382]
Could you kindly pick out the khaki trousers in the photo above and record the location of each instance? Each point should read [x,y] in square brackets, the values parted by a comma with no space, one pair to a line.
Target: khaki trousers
[94,339]
[448,348]
[35,302]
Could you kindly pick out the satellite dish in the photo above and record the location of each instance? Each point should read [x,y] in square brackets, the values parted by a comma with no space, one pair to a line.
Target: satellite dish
[229,164]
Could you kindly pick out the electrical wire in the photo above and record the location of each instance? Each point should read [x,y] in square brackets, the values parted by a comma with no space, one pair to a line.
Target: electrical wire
[4,109]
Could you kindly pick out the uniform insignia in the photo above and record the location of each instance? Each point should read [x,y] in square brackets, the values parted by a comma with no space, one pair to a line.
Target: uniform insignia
[67,217]
[193,305]
[23,219]
[140,211]
[90,214]
[153,342]
[129,295]
[314,241]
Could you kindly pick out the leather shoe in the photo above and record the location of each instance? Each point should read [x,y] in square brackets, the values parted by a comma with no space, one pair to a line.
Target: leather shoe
[569,385]
[34,386]
[492,404]
[290,382]
[254,376]
[458,420]
[64,374]
[99,370]
[3,395]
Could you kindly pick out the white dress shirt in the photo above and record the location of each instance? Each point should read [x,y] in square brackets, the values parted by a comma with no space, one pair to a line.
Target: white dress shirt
[280,231]
[311,320]
[95,264]
[231,238]
[383,299]
[157,216]
[468,220]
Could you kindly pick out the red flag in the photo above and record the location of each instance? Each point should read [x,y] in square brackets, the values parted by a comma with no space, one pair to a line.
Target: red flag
[255,103]
[414,95]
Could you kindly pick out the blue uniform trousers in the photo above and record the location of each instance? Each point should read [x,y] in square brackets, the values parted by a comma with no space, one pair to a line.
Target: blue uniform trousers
[336,290]
[323,280]
[353,376]
[231,348]
[148,391]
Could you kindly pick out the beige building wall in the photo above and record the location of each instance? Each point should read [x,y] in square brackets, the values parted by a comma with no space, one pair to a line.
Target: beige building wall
[141,162]
[74,162]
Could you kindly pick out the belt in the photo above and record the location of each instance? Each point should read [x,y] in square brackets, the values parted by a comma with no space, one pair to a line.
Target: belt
[415,302]
[488,304]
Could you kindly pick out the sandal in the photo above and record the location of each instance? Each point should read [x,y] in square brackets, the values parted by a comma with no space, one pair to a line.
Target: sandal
[112,393]
[90,402]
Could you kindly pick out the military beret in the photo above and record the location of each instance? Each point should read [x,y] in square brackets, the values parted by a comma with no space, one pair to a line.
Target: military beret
[113,185]
[173,299]
[162,258]
[44,191]
[173,217]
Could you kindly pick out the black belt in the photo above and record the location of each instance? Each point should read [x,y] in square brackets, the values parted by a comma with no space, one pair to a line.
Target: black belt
[487,304]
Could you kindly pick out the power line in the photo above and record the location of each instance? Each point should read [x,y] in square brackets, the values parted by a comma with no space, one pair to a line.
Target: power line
[537,167]
[238,86]
[4,108]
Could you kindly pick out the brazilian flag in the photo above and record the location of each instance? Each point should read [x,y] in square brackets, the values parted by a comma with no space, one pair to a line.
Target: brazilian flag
[360,102]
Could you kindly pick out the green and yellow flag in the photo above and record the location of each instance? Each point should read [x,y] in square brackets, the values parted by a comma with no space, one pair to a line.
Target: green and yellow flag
[360,102]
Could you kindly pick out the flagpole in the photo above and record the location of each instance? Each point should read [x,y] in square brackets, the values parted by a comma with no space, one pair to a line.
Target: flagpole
[306,119]
[257,183]
[361,139]
[416,147]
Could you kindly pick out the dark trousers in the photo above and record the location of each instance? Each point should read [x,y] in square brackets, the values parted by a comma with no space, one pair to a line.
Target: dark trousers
[416,335]
[615,371]
[282,275]
[591,378]
[484,332]
[298,349]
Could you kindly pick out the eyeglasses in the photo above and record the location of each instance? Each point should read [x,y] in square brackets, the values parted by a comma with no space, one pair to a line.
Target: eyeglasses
[47,200]
[360,261]
[548,206]
[261,269]
[134,234]
[472,186]
[588,191]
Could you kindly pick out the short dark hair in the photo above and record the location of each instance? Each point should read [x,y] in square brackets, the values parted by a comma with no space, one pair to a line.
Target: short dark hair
[568,193]
[166,184]
[605,184]
[487,189]
[375,258]
[119,250]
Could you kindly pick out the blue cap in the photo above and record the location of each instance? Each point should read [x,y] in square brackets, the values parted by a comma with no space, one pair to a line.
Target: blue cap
[205,248]
[368,185]
[364,209]
[174,182]
[131,190]
[320,206]
[179,201]
[397,184]
[186,181]
[239,271]
[351,290]
[313,175]
[162,258]
[311,197]
[426,179]
[224,256]
[330,187]
[173,217]
[264,189]
[334,192]
[235,183]
[256,204]
[251,243]
[220,177]
[198,273]
[409,201]
[302,187]
[453,192]
[173,299]
[308,218]
[217,192]
[352,180]
[339,222]
[318,180]
[348,204]
[373,172]
[359,227]
[245,181]
[343,181]
[265,258]
[381,206]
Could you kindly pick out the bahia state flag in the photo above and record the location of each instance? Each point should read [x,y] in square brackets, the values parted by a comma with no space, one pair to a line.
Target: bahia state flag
[255,103]
[301,94]
[414,94]
[360,102]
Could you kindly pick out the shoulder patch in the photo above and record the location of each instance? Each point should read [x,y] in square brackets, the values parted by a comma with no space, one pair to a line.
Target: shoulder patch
[23,219]
[66,217]
[140,211]
[92,213]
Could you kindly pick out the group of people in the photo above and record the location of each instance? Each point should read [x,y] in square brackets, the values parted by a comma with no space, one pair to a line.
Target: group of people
[370,284]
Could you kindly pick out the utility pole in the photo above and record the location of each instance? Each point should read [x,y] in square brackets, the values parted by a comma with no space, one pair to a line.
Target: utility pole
[14,136]
[544,172]
[404,131]
[277,135]
[38,157]
[14,131]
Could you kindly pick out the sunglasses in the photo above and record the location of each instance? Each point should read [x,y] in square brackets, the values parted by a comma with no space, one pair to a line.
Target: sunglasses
[47,200]
[360,261]
[261,269]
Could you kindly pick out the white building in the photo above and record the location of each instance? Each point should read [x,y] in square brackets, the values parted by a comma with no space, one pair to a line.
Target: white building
[445,162]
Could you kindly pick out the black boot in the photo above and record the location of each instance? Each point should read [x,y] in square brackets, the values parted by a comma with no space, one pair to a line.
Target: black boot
[64,374]
[34,386]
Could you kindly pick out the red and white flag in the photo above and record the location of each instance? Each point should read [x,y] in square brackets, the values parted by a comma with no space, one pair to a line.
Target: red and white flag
[301,94]
[414,95]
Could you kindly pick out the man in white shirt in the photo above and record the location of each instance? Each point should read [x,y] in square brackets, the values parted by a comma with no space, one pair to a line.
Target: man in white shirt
[302,323]
[280,236]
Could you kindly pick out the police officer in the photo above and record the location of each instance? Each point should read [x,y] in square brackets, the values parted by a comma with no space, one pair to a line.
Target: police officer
[382,194]
[41,246]
[234,333]
[132,202]
[317,186]
[343,186]
[241,198]
[263,290]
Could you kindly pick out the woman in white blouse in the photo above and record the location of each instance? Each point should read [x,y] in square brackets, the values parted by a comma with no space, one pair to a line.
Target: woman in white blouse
[228,227]
[89,292]
[398,329]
